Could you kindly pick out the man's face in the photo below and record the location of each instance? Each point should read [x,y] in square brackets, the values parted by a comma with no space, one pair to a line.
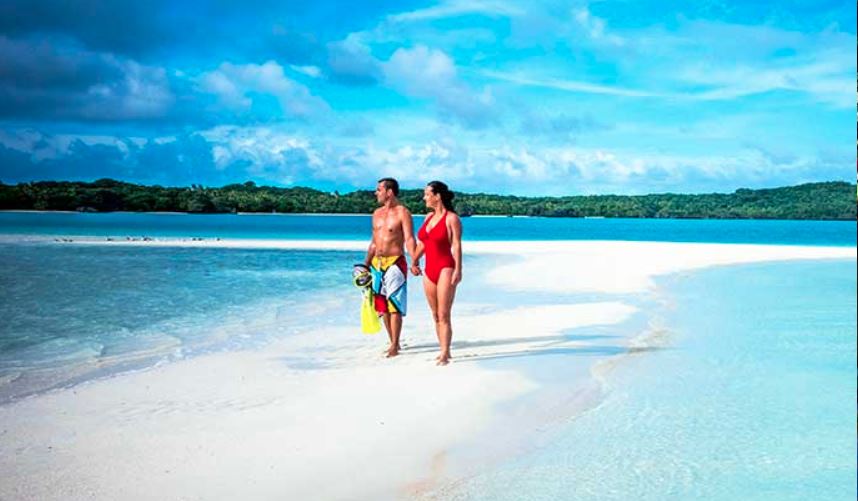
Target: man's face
[382,194]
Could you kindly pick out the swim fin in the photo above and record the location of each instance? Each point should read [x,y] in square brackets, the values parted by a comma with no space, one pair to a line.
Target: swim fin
[369,322]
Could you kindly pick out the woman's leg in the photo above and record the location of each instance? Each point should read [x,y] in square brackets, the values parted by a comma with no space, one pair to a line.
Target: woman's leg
[432,298]
[445,297]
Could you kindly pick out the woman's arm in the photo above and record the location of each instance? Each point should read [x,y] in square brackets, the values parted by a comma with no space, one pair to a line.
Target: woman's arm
[419,249]
[455,227]
[415,259]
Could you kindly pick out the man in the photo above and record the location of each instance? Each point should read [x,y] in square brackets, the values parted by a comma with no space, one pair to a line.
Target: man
[392,234]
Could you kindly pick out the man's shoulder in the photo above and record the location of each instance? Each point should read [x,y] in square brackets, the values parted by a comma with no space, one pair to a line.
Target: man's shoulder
[404,210]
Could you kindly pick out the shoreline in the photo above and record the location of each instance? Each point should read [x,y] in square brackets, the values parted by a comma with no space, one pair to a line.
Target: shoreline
[477,246]
[476,216]
[203,425]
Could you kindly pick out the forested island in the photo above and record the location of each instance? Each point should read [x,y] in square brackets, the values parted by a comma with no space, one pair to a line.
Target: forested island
[827,200]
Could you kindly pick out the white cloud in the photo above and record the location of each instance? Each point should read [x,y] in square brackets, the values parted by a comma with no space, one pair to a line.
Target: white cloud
[236,84]
[568,85]
[142,92]
[414,164]
[263,152]
[351,61]
[310,71]
[717,61]
[277,156]
[823,78]
[455,8]
[420,71]
[430,73]
[595,27]
[42,146]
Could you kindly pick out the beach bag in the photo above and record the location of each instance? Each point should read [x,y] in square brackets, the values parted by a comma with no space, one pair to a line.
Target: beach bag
[369,322]
[362,279]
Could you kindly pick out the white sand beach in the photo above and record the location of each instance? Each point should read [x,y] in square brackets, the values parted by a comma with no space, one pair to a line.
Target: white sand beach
[322,415]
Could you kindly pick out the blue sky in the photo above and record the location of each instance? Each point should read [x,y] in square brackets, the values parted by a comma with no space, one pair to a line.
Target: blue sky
[530,98]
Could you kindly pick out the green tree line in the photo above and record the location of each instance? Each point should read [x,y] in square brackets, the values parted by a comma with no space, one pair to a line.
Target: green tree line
[828,200]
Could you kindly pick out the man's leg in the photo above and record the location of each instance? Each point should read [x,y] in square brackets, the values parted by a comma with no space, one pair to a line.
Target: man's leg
[395,329]
[385,317]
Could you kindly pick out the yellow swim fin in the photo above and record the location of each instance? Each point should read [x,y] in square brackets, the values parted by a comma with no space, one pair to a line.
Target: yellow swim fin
[369,322]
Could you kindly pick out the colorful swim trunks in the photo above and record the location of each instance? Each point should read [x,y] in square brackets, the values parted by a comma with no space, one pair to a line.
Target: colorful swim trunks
[389,284]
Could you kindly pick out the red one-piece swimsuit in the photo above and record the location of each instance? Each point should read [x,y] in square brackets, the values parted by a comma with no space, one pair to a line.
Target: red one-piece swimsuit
[436,245]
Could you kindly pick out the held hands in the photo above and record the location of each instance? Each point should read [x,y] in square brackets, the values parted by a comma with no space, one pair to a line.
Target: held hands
[415,270]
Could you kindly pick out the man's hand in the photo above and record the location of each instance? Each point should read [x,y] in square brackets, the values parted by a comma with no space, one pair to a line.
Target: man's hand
[415,270]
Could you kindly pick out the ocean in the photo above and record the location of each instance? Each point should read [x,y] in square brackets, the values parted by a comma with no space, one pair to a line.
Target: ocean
[357,227]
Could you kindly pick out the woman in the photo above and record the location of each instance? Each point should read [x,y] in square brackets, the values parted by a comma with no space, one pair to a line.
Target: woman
[440,239]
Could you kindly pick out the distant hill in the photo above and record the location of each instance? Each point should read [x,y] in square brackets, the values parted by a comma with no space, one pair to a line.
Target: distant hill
[828,200]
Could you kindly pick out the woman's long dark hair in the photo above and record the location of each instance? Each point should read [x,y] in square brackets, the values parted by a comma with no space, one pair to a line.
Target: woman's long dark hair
[443,190]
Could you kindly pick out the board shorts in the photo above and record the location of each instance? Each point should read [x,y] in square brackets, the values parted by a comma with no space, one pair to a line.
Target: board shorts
[390,284]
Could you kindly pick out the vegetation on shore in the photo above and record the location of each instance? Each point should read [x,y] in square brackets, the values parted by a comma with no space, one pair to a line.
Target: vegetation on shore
[828,200]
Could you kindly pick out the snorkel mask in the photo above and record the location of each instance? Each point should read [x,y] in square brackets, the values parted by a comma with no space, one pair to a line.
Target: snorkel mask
[361,276]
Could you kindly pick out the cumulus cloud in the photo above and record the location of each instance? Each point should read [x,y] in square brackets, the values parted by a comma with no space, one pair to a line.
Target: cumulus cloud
[430,73]
[420,71]
[116,26]
[350,62]
[31,155]
[235,154]
[264,153]
[37,79]
[240,87]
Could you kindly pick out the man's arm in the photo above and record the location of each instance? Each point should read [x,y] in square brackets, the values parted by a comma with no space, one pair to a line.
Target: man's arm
[408,232]
[370,252]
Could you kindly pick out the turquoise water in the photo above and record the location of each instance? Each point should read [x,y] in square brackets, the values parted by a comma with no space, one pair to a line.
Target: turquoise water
[752,396]
[70,313]
[357,227]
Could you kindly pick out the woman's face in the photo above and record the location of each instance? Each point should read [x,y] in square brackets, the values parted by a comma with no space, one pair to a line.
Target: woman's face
[430,197]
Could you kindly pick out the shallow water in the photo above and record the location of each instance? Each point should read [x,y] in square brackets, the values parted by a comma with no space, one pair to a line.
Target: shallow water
[751,395]
[71,312]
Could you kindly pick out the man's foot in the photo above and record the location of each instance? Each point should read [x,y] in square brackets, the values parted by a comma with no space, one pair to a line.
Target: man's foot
[443,361]
[439,357]
[392,352]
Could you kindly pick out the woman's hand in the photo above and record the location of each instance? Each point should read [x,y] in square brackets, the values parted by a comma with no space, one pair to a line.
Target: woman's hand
[415,270]
[456,277]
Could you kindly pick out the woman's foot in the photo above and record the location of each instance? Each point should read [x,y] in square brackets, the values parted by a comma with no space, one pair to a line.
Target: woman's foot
[392,352]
